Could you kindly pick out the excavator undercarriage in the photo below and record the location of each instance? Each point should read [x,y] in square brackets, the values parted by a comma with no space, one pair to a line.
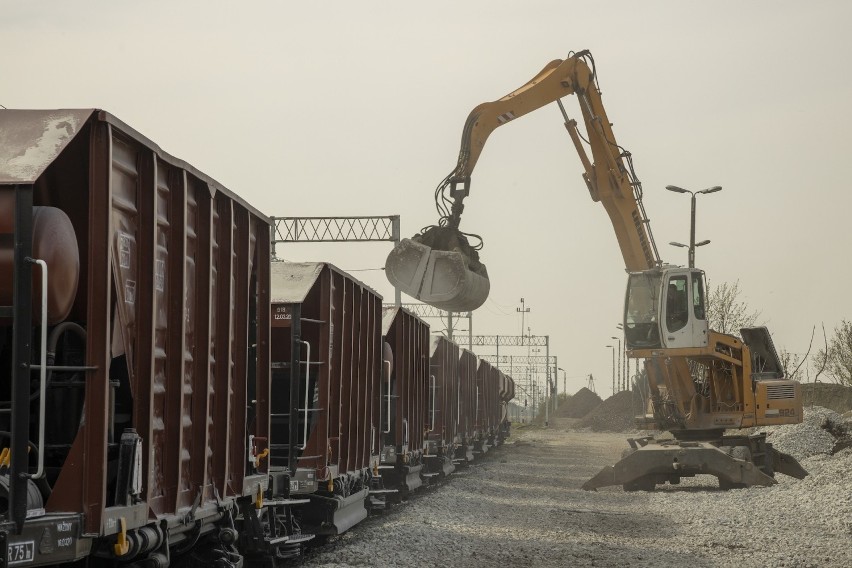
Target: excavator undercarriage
[695,395]
[737,461]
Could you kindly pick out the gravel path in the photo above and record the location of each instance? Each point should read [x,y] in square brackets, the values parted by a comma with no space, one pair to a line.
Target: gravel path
[523,506]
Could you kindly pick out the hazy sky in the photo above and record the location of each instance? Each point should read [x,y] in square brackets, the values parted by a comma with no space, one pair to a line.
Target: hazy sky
[356,108]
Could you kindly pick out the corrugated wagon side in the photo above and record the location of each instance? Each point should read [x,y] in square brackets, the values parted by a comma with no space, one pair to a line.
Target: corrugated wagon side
[155,344]
[507,393]
[487,406]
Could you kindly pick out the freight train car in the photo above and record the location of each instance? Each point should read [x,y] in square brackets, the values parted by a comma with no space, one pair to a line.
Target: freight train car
[442,435]
[466,432]
[507,393]
[326,360]
[406,397]
[487,409]
[134,326]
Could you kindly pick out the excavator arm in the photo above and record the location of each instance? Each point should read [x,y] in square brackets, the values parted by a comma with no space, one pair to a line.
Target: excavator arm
[550,84]
[439,266]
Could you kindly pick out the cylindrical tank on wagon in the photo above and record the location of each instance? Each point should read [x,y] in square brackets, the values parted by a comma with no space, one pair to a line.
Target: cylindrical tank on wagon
[54,242]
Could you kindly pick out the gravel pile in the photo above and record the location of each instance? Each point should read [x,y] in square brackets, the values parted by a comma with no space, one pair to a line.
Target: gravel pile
[523,506]
[805,523]
[615,414]
[580,404]
[821,432]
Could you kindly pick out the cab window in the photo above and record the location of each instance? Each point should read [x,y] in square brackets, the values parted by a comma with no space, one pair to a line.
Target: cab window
[677,303]
[698,295]
[640,315]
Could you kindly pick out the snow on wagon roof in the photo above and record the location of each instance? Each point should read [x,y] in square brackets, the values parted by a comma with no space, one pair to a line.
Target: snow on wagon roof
[31,139]
[291,281]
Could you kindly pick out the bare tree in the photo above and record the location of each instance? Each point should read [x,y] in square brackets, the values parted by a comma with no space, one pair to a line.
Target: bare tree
[792,364]
[838,354]
[727,311]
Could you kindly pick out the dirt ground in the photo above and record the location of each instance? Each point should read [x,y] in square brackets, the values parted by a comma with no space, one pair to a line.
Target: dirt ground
[523,506]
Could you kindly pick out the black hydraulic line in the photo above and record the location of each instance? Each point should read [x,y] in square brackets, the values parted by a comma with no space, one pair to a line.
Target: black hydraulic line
[57,332]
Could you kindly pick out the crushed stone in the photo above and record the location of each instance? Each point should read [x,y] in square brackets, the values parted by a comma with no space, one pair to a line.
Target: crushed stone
[615,414]
[820,432]
[579,404]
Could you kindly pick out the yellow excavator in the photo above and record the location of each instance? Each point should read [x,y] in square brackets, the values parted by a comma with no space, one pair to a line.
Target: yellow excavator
[697,382]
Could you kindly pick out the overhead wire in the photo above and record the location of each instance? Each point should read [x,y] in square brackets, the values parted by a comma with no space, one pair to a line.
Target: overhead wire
[491,310]
[500,307]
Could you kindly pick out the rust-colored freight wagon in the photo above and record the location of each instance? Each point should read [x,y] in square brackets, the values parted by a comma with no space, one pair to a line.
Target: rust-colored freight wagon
[487,406]
[444,406]
[506,393]
[326,359]
[405,395]
[466,429]
[137,386]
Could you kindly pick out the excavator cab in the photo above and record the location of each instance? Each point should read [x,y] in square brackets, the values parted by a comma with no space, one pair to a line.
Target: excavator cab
[439,267]
[665,308]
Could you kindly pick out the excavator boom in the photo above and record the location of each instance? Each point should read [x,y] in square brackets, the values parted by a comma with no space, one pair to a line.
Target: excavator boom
[441,268]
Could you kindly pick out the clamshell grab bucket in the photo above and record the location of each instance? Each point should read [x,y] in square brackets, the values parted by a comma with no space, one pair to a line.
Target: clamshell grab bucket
[439,278]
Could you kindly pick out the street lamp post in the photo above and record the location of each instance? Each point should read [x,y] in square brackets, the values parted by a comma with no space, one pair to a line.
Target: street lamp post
[619,361]
[692,243]
[547,386]
[624,360]
[532,378]
[613,367]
